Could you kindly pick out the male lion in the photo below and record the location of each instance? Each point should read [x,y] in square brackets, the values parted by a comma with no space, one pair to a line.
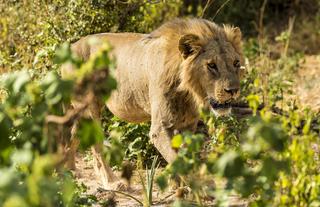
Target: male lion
[164,77]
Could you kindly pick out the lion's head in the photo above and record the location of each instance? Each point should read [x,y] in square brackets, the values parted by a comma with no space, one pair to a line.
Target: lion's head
[208,59]
[212,63]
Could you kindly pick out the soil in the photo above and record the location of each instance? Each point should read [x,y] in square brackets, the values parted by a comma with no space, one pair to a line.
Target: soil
[85,175]
[308,83]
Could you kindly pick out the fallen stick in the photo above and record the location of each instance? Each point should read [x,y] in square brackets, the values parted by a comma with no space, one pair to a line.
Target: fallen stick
[120,192]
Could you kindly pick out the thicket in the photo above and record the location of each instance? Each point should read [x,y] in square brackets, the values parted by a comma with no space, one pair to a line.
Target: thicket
[30,30]
[271,157]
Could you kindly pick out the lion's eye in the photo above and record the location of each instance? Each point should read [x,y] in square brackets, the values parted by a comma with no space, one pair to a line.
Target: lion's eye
[237,64]
[212,67]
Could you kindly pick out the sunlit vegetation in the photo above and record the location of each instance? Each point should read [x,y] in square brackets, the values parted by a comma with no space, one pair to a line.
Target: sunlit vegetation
[268,157]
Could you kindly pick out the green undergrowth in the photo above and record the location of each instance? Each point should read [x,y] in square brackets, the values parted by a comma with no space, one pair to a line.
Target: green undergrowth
[269,158]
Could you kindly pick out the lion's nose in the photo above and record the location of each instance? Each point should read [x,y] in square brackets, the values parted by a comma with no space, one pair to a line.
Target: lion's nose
[231,91]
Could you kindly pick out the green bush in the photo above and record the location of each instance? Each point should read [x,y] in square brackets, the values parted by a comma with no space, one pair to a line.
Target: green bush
[271,157]
[31,156]
[30,30]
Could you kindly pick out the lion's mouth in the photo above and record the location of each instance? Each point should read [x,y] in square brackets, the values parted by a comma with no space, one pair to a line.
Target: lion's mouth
[216,105]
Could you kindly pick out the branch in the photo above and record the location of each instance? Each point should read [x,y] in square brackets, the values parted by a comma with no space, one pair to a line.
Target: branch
[120,192]
[262,9]
[221,7]
[243,110]
[208,4]
[244,107]
[71,114]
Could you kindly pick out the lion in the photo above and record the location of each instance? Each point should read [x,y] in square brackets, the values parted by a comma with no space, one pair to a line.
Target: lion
[166,75]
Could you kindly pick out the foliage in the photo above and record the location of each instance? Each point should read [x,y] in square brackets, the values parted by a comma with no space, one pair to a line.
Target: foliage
[275,13]
[31,156]
[272,157]
[29,41]
[134,139]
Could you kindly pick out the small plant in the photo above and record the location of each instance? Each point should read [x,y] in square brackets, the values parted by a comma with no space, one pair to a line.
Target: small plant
[148,186]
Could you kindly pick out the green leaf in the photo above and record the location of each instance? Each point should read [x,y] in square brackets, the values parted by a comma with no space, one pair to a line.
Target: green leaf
[115,152]
[253,102]
[15,200]
[109,84]
[56,89]
[306,127]
[63,53]
[21,157]
[230,164]
[68,190]
[162,182]
[39,55]
[22,79]
[274,136]
[4,132]
[89,133]
[14,82]
[136,146]
[181,166]
[7,176]
[177,141]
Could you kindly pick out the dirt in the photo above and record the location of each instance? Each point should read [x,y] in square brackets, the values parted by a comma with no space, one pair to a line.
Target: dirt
[307,92]
[308,83]
[85,174]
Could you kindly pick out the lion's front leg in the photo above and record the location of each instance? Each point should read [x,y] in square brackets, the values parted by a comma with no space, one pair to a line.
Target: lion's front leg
[161,139]
[161,136]
[167,119]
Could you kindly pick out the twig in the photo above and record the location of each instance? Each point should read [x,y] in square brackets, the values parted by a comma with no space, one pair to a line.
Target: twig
[261,32]
[208,4]
[163,199]
[291,24]
[221,7]
[71,114]
[243,109]
[120,192]
[245,105]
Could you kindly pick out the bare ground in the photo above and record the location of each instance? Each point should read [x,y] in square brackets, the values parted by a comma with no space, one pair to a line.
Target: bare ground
[85,174]
[308,83]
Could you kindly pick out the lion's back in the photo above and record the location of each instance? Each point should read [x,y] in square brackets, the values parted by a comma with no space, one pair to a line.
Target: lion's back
[139,63]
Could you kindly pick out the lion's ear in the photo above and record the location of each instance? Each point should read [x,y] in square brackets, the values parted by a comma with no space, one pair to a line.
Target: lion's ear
[234,36]
[189,44]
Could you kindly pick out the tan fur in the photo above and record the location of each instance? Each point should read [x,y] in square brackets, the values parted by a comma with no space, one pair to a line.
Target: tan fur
[163,76]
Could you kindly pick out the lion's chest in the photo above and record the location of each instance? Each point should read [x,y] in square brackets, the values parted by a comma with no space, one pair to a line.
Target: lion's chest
[183,110]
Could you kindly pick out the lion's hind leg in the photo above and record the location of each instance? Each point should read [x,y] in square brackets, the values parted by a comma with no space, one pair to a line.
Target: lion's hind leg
[72,149]
[103,171]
